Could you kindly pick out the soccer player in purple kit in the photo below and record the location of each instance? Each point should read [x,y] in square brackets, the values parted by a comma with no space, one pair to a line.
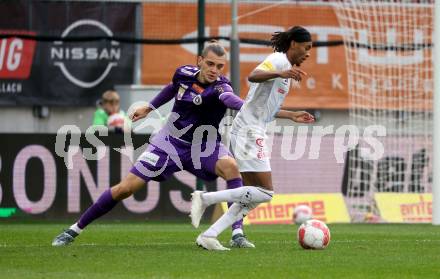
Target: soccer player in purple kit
[202,96]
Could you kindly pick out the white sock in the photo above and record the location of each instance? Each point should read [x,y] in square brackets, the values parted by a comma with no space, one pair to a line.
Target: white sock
[245,194]
[237,231]
[225,221]
[236,212]
[75,228]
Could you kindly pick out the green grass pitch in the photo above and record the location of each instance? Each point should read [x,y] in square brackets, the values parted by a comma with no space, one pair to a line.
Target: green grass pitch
[167,250]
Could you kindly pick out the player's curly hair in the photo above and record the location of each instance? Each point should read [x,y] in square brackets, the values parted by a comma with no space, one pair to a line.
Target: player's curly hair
[280,41]
[215,47]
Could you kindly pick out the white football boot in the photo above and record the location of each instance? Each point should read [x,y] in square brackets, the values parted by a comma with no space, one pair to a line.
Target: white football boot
[210,243]
[65,238]
[240,241]
[197,208]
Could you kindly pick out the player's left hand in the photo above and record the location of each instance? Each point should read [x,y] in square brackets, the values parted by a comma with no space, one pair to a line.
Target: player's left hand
[302,117]
[139,113]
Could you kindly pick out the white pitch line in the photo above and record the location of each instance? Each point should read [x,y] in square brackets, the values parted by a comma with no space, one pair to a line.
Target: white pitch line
[358,241]
[5,245]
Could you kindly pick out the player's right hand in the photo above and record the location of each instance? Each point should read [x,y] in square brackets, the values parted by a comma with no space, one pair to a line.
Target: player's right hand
[294,73]
[139,113]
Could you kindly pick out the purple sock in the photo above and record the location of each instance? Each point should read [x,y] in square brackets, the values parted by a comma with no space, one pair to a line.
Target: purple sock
[104,204]
[232,184]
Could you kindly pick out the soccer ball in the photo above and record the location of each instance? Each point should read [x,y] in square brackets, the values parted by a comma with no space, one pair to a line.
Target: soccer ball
[313,234]
[301,214]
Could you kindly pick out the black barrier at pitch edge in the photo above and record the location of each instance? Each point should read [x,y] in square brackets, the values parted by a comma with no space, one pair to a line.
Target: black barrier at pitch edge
[36,181]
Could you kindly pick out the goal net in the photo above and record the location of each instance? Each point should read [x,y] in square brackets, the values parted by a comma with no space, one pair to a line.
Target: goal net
[388,47]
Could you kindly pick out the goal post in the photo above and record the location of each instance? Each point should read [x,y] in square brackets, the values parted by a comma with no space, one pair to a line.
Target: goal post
[436,140]
[389,56]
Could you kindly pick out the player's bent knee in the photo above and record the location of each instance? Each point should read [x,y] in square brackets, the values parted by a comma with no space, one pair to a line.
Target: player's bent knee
[266,195]
[269,198]
[227,167]
[252,194]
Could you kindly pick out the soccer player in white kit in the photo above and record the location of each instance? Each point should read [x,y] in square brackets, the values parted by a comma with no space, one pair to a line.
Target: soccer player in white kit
[270,83]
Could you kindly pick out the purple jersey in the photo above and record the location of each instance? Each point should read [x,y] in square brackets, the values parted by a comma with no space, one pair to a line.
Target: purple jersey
[196,103]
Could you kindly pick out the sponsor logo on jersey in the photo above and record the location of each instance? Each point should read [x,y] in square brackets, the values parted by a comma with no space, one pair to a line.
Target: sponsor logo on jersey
[219,89]
[198,88]
[197,100]
[261,155]
[281,91]
[187,72]
[260,152]
[150,158]
[181,91]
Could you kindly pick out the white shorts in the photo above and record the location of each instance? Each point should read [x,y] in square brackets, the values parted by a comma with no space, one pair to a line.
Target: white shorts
[250,152]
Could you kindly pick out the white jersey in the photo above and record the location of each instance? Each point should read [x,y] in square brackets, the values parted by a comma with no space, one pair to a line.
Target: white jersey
[264,99]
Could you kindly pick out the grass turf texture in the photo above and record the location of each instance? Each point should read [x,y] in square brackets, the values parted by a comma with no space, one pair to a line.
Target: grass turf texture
[164,250]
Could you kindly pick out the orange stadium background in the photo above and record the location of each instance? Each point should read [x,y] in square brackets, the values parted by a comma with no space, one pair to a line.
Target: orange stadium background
[326,84]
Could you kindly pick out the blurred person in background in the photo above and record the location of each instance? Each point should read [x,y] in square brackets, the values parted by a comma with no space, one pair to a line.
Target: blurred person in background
[109,113]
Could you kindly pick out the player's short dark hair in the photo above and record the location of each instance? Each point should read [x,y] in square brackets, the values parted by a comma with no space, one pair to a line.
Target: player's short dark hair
[280,41]
[215,47]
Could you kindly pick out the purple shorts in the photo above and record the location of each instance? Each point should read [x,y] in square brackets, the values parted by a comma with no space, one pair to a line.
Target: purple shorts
[162,159]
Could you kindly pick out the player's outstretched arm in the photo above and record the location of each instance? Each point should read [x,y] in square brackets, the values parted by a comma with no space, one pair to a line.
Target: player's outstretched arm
[259,75]
[302,117]
[230,100]
[140,113]
[164,96]
[296,116]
